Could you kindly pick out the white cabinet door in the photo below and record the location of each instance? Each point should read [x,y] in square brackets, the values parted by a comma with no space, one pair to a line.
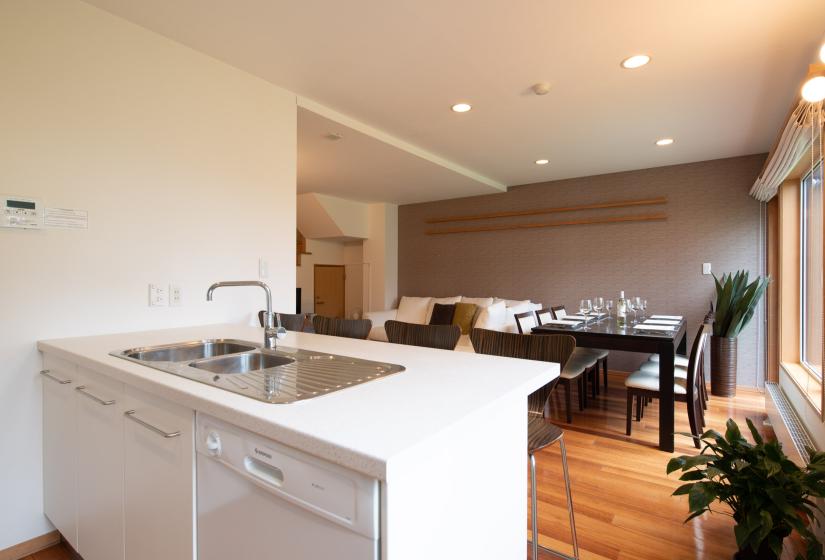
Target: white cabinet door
[59,451]
[99,467]
[159,479]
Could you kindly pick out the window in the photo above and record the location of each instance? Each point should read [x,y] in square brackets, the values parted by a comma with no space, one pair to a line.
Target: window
[811,273]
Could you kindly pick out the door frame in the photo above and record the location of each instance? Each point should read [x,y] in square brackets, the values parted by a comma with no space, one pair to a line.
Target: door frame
[315,285]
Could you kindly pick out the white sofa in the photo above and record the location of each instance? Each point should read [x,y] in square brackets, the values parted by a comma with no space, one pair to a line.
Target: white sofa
[496,314]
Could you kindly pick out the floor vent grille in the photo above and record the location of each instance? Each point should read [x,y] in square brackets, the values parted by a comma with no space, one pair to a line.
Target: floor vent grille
[800,437]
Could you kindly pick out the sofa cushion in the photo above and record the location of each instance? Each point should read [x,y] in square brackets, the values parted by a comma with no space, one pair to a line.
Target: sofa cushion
[442,314]
[379,333]
[512,302]
[492,317]
[413,310]
[479,301]
[463,317]
[443,301]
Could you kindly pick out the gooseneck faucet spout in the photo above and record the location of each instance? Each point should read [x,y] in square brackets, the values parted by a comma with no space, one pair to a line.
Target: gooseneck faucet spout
[271,331]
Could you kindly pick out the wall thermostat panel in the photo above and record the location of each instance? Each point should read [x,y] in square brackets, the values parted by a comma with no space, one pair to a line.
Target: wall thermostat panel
[20,212]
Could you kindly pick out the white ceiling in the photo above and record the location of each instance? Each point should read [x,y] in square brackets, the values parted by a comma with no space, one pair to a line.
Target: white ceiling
[363,168]
[723,76]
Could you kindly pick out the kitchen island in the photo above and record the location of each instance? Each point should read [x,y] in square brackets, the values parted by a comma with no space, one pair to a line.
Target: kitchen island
[445,439]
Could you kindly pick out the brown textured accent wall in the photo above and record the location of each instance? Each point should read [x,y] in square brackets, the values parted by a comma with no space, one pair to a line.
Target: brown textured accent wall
[711,218]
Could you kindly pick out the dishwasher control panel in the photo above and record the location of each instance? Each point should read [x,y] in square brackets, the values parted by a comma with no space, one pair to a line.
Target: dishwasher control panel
[20,212]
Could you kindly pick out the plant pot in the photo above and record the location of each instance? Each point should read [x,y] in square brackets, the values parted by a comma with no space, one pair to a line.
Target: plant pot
[723,366]
[764,553]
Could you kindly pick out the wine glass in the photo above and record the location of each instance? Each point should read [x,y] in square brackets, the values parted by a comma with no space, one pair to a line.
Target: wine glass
[631,307]
[598,305]
[585,307]
[609,305]
[637,303]
[644,308]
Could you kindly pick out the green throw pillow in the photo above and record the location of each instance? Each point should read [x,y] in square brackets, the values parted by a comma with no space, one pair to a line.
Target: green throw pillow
[463,316]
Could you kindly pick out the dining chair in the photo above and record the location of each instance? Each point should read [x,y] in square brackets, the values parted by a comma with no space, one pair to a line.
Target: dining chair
[526,321]
[544,315]
[443,337]
[559,312]
[540,433]
[645,385]
[289,321]
[347,328]
[680,365]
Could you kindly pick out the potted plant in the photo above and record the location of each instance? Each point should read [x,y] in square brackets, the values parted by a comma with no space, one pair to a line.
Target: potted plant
[736,302]
[767,493]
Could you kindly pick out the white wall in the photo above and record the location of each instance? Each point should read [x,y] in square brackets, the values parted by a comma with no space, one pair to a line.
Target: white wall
[381,252]
[187,169]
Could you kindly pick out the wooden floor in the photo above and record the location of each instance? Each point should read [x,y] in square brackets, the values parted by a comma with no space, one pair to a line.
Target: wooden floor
[621,494]
[58,552]
[623,506]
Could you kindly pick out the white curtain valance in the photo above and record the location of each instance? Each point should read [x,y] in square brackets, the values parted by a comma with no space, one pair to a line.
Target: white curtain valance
[793,144]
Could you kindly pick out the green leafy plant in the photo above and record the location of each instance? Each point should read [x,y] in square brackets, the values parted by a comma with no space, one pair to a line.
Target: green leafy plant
[736,302]
[767,493]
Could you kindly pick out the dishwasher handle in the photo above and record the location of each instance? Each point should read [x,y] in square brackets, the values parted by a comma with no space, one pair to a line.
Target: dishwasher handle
[264,472]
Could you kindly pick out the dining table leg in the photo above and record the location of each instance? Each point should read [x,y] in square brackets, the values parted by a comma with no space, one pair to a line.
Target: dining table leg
[666,400]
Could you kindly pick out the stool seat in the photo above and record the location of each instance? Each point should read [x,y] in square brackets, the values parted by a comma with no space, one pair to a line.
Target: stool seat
[541,433]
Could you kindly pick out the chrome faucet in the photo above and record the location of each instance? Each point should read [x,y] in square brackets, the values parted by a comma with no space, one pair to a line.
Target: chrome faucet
[271,331]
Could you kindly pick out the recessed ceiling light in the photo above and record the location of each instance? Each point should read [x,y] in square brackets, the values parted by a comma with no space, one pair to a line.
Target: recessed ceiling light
[664,141]
[635,61]
[542,161]
[461,107]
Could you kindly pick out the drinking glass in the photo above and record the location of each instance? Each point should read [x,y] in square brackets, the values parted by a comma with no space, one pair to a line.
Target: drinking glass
[585,307]
[609,305]
[637,303]
[644,308]
[598,305]
[631,307]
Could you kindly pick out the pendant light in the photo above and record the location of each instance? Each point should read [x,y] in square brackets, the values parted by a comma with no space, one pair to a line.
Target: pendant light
[813,91]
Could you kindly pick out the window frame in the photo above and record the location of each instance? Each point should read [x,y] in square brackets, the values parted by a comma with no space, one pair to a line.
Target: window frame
[803,250]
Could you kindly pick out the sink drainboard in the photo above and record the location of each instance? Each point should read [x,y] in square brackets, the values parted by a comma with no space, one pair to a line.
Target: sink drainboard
[305,374]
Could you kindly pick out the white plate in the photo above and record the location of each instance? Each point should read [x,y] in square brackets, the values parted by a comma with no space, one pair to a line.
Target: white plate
[673,317]
[659,328]
[661,322]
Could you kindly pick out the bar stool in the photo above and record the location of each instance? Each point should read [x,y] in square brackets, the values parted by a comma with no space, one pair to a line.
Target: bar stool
[540,433]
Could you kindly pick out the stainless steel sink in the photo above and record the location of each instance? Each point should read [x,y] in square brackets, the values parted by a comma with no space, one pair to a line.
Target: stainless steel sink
[188,351]
[281,376]
[242,363]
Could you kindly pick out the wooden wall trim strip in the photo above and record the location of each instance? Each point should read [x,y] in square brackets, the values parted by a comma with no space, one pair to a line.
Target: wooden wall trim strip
[539,211]
[583,221]
[30,546]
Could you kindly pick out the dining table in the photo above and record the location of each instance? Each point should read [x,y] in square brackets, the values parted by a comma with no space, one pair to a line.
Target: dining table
[606,333]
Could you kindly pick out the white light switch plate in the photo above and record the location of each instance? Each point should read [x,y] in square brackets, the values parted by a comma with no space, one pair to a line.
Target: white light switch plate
[705,268]
[158,296]
[175,295]
[263,268]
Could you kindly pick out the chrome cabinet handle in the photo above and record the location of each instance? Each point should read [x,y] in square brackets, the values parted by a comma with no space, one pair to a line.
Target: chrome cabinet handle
[47,373]
[83,391]
[130,414]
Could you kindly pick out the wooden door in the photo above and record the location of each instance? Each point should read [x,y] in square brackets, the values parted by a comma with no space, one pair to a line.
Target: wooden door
[329,290]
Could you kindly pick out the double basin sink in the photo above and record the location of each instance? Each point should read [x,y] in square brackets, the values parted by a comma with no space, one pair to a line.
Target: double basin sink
[218,356]
[279,376]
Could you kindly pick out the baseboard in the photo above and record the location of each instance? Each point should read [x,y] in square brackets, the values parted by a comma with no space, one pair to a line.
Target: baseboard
[31,546]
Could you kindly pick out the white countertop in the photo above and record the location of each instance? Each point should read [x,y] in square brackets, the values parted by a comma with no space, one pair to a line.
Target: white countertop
[361,427]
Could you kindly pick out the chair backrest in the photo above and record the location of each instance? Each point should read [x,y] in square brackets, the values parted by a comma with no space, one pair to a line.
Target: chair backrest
[695,374]
[347,328]
[289,321]
[544,315]
[443,337]
[559,312]
[525,322]
[545,348]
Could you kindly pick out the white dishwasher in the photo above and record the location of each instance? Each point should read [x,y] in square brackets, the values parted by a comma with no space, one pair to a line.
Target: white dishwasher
[260,500]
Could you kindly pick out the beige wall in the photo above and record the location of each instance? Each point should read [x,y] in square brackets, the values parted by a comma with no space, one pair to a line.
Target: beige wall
[381,255]
[325,251]
[711,218]
[187,169]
